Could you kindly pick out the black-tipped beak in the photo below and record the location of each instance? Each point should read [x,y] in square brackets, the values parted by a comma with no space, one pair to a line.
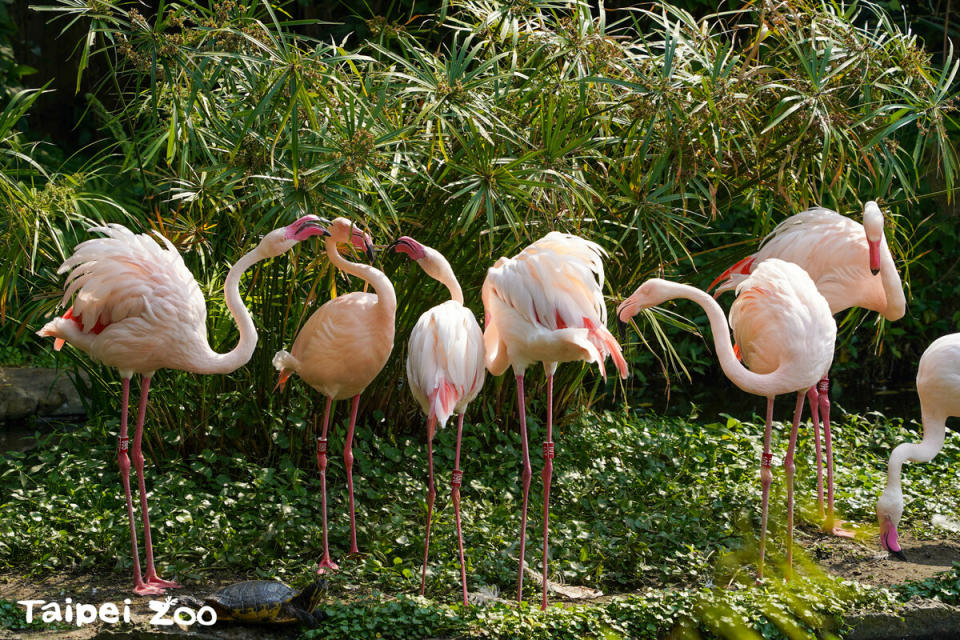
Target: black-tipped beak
[621,329]
[390,247]
[899,555]
[371,252]
[874,271]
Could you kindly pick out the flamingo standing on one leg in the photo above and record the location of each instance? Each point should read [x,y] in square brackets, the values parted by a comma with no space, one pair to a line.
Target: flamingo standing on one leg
[843,257]
[938,385]
[786,336]
[340,350]
[546,305]
[138,308]
[446,370]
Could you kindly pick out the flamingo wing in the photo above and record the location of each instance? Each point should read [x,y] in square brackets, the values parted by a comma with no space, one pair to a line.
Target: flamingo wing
[445,360]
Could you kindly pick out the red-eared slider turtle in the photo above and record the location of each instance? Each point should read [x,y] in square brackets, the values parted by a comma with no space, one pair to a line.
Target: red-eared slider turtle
[263,601]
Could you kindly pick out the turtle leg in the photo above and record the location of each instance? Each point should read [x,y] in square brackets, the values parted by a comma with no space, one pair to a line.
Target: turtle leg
[326,564]
[303,616]
[151,576]
[123,460]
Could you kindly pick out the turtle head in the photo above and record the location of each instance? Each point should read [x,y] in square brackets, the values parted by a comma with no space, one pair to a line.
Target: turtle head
[312,594]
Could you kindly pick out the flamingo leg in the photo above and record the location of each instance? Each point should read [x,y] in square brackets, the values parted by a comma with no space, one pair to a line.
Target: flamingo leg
[766,478]
[814,399]
[833,525]
[525,479]
[123,460]
[326,564]
[547,474]
[348,461]
[151,576]
[790,469]
[431,496]
[455,482]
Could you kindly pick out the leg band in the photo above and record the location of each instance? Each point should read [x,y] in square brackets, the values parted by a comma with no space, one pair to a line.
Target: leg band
[456,479]
[124,445]
[766,459]
[548,450]
[321,445]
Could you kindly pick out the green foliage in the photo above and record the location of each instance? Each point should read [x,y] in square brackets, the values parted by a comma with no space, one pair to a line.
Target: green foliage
[13,616]
[944,587]
[476,130]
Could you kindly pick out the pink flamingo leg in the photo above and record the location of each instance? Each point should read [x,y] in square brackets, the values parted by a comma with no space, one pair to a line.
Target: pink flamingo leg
[833,525]
[431,495]
[790,469]
[348,461]
[326,564]
[525,478]
[455,482]
[151,576]
[547,474]
[123,460]
[766,478]
[814,399]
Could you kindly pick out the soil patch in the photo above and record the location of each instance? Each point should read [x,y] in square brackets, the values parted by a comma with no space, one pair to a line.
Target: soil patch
[866,562]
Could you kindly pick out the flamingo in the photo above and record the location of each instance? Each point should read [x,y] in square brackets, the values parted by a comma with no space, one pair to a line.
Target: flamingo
[837,253]
[138,308]
[938,385]
[786,335]
[546,305]
[446,370]
[339,351]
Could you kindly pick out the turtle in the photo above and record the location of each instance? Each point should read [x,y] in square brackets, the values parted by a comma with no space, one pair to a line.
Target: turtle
[264,601]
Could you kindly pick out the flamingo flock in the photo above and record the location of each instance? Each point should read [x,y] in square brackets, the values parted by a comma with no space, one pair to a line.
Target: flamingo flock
[133,305]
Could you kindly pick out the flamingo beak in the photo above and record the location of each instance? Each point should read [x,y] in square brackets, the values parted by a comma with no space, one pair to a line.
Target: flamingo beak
[368,245]
[622,329]
[874,246]
[409,246]
[306,227]
[889,539]
[282,380]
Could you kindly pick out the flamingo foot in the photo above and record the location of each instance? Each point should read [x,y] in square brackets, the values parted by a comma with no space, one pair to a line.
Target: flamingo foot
[156,581]
[899,555]
[835,528]
[146,589]
[327,565]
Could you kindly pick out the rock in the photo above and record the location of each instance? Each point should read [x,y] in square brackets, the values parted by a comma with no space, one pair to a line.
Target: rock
[26,391]
[923,620]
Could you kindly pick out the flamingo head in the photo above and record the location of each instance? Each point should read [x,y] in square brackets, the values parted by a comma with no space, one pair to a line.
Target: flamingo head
[346,232]
[409,246]
[649,294]
[889,510]
[873,225]
[281,240]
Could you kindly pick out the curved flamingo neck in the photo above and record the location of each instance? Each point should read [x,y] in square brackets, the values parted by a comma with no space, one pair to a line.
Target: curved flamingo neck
[896,302]
[213,362]
[934,432]
[438,268]
[386,297]
[756,383]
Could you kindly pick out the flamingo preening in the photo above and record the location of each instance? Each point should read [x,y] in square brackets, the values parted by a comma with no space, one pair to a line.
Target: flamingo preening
[137,308]
[842,257]
[786,335]
[446,370]
[938,385]
[546,305]
[339,351]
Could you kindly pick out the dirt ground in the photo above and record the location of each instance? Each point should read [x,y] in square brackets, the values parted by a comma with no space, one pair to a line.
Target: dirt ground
[861,560]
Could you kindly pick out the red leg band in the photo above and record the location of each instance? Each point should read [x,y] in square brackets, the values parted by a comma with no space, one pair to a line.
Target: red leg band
[766,459]
[456,479]
[548,450]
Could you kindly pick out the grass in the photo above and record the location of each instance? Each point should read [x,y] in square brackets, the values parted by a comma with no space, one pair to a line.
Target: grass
[666,508]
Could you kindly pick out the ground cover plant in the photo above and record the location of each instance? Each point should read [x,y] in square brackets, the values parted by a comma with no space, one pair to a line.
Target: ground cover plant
[666,509]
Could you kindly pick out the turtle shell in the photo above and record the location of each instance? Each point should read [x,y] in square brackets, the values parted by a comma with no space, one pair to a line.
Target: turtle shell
[253,601]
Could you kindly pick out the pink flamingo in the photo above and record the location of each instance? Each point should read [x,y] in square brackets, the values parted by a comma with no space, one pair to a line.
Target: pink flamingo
[938,385]
[445,369]
[546,305]
[340,350]
[786,336]
[138,308]
[843,257]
